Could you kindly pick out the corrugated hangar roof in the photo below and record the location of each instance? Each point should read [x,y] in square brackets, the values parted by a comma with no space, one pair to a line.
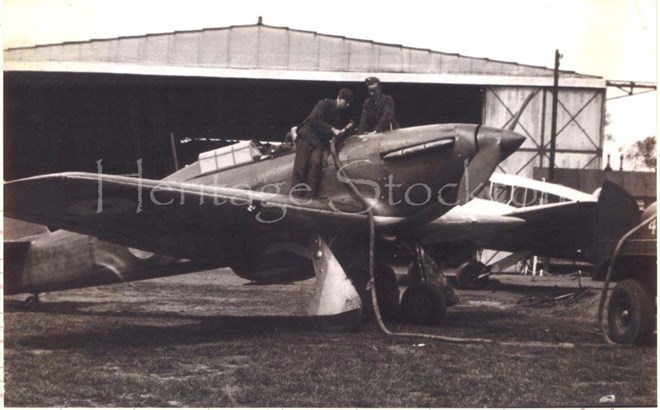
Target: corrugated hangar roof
[262,51]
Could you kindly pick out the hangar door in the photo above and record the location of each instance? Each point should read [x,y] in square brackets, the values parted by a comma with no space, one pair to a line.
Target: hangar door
[579,126]
[57,122]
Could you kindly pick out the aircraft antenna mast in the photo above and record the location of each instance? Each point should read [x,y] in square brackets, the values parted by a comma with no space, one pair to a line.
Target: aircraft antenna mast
[175,159]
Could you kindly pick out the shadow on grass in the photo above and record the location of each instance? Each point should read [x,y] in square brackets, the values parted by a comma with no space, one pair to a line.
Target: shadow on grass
[167,329]
[103,332]
[18,306]
[163,328]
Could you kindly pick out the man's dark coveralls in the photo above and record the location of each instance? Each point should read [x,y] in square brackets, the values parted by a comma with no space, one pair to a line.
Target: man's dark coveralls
[313,137]
[378,114]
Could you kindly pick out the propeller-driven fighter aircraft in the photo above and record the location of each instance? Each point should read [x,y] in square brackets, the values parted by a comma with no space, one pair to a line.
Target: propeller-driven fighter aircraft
[236,209]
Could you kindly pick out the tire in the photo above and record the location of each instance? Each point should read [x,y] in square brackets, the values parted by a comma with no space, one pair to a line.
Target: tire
[424,303]
[630,313]
[31,302]
[467,274]
[387,292]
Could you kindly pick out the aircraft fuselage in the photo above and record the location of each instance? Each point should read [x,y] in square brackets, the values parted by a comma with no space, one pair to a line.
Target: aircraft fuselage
[409,175]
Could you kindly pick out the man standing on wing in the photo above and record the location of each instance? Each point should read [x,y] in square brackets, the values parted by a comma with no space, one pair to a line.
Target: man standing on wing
[378,110]
[328,119]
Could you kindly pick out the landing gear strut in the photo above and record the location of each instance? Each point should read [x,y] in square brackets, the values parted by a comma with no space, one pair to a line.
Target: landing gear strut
[427,298]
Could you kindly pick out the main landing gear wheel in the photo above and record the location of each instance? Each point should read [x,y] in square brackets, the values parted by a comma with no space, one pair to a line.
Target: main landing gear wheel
[424,303]
[467,275]
[387,292]
[630,313]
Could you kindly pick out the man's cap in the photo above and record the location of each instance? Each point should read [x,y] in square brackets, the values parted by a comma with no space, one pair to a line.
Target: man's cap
[346,95]
[372,81]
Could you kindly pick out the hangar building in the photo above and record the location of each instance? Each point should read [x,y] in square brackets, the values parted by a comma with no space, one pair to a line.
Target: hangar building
[122,99]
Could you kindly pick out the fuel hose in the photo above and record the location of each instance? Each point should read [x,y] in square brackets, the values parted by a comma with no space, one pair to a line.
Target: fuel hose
[372,277]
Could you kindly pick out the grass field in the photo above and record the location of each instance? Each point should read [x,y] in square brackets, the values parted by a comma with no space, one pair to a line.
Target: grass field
[207,339]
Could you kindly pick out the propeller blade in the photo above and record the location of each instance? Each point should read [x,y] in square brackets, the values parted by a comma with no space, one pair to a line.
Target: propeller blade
[513,122]
[478,172]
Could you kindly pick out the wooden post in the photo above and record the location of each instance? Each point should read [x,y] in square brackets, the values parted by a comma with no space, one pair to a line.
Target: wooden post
[553,131]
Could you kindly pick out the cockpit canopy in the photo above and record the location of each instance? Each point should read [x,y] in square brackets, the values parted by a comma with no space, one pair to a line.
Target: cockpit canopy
[240,153]
[224,157]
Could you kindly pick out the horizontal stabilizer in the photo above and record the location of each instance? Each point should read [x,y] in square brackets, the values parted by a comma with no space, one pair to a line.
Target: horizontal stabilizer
[16,248]
[15,229]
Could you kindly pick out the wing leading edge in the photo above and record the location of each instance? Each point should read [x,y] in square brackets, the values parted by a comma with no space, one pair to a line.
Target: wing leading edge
[172,218]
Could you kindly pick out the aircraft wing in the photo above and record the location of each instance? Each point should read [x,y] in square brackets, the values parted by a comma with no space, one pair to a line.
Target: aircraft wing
[558,230]
[171,218]
[561,230]
[460,225]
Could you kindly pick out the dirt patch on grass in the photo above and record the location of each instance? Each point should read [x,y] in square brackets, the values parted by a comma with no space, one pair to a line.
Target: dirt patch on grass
[208,340]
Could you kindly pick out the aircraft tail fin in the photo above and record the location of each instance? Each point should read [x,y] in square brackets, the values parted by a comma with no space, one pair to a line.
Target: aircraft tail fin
[616,213]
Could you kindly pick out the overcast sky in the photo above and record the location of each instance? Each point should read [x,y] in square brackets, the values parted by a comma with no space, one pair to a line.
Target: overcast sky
[615,39]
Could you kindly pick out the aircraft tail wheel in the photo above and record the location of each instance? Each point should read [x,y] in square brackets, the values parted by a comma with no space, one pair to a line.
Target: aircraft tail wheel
[630,313]
[467,275]
[424,303]
[31,302]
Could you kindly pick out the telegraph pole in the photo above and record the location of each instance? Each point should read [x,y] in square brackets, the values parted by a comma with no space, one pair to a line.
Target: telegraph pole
[553,130]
